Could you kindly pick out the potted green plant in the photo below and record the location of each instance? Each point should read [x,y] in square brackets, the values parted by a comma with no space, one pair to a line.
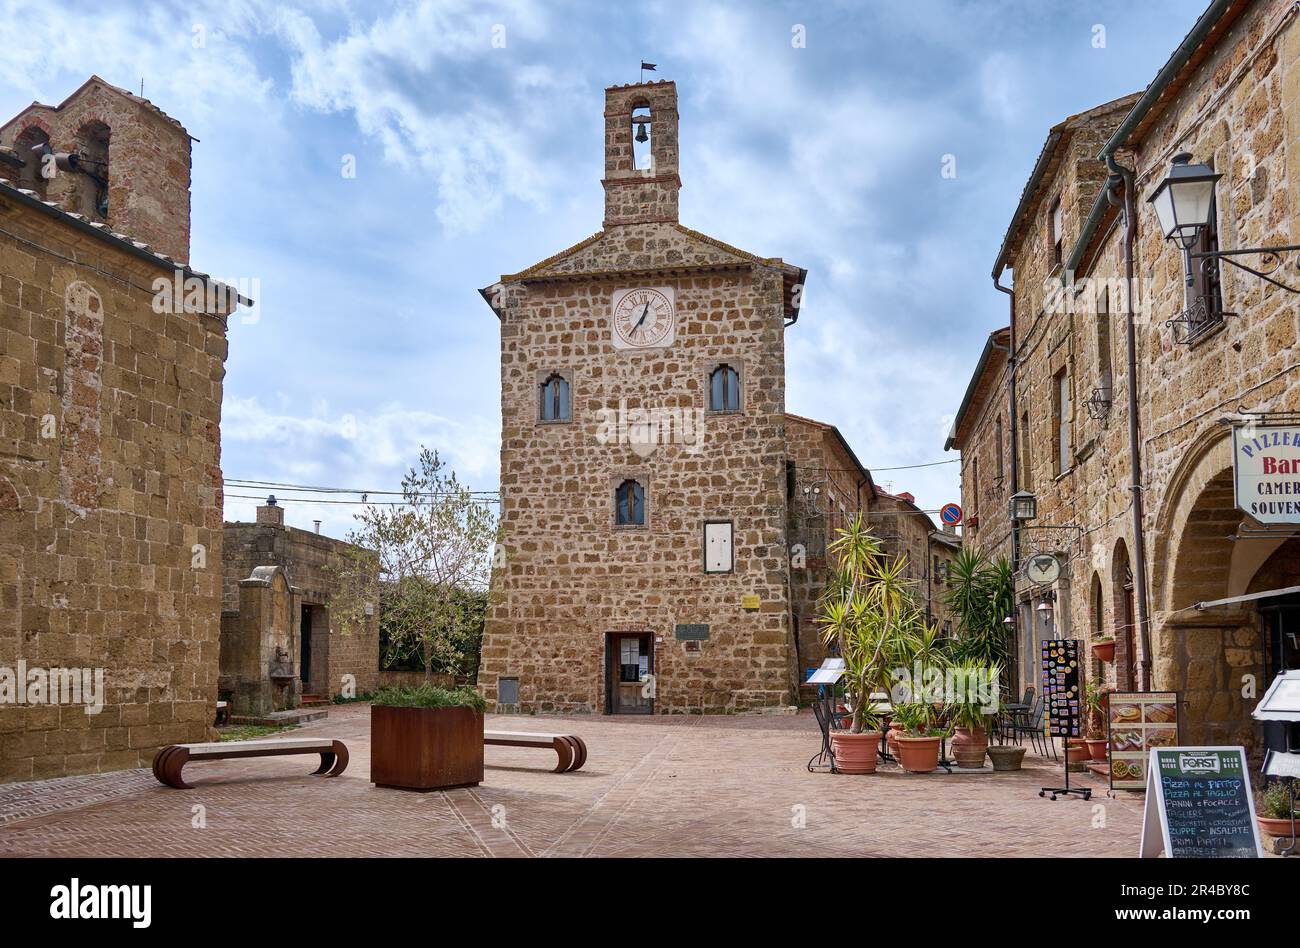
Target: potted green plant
[866,611]
[1096,739]
[969,708]
[1273,810]
[426,738]
[1103,646]
[919,744]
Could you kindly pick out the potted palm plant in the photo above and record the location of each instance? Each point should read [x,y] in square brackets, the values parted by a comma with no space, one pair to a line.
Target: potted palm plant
[864,612]
[919,744]
[969,709]
[426,738]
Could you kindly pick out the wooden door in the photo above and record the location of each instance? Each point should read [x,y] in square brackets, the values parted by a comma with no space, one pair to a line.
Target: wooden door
[629,663]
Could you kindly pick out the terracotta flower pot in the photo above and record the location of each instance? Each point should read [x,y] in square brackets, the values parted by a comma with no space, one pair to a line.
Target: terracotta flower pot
[1105,651]
[855,753]
[1096,748]
[969,746]
[1007,757]
[918,755]
[1274,827]
[891,740]
[1076,753]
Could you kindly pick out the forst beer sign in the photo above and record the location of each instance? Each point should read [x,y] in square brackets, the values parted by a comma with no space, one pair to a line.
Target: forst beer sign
[1266,471]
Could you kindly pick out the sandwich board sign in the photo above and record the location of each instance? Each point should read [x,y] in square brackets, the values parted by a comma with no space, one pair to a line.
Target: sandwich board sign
[1199,804]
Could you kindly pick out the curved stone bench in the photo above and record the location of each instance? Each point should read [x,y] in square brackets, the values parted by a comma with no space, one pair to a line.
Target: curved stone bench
[169,760]
[570,748]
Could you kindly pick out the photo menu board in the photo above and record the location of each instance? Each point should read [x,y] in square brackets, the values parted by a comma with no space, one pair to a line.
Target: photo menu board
[1136,722]
[1062,687]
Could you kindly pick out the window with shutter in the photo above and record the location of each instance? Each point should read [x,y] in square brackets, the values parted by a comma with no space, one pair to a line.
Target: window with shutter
[718,556]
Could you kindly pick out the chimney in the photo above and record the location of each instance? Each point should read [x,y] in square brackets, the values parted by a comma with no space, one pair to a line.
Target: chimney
[649,194]
[271,513]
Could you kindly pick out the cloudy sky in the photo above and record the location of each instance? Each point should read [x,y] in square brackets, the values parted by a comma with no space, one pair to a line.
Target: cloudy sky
[475,158]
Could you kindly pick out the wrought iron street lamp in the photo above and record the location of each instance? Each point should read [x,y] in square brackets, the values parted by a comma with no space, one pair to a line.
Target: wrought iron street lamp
[1024,506]
[1183,202]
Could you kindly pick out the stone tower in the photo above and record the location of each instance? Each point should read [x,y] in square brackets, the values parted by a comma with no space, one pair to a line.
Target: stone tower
[643,565]
[131,164]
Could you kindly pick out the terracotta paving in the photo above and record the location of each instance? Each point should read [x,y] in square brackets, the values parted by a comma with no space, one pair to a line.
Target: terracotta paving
[662,786]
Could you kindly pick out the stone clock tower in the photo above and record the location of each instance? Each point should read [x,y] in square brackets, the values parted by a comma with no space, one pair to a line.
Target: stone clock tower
[643,565]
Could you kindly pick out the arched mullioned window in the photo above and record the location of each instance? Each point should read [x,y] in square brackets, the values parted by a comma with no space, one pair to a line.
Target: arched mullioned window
[555,398]
[724,389]
[629,504]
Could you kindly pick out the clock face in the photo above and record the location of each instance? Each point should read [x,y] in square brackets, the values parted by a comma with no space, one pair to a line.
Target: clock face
[643,317]
[1043,569]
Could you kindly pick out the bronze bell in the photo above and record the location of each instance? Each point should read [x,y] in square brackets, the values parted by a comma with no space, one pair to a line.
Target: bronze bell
[641,135]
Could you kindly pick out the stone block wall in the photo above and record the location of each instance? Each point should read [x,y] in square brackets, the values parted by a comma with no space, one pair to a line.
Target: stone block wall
[110,498]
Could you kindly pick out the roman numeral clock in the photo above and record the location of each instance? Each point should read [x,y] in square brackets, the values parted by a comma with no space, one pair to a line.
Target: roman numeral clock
[643,318]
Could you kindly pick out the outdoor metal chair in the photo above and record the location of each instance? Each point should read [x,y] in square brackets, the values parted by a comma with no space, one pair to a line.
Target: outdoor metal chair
[1007,722]
[1031,724]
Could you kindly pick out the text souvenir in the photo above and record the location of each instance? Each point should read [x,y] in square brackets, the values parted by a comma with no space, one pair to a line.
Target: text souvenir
[1061,686]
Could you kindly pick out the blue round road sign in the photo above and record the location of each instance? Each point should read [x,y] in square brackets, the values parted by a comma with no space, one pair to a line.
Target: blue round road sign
[950,514]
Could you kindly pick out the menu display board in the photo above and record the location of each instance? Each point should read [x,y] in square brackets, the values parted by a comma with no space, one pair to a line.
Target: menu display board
[1199,804]
[1062,688]
[1136,722]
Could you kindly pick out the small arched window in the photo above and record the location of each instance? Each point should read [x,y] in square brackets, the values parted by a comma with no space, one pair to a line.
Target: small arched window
[642,149]
[30,146]
[724,389]
[629,504]
[555,398]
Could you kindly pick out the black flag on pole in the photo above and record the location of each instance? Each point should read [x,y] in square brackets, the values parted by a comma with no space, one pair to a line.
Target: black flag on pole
[650,66]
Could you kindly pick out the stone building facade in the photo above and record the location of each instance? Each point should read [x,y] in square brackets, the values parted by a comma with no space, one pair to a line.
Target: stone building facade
[279,643]
[1210,351]
[607,503]
[110,454]
[664,520]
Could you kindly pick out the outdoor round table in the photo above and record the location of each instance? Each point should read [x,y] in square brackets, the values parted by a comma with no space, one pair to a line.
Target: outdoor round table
[1014,709]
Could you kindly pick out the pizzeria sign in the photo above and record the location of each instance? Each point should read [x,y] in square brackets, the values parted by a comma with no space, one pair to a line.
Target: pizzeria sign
[1266,471]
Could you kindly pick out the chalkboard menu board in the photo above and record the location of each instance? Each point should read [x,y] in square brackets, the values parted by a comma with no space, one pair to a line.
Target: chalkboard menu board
[1199,804]
[1061,686]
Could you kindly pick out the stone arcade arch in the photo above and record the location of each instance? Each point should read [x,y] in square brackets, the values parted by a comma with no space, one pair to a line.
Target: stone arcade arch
[1213,656]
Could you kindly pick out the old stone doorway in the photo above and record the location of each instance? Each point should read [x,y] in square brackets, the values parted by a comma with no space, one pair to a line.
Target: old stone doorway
[313,650]
[629,663]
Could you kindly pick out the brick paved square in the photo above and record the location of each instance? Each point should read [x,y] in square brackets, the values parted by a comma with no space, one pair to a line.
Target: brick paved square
[661,786]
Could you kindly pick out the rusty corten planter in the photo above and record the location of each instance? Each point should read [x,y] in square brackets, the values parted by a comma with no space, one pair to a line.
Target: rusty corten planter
[425,748]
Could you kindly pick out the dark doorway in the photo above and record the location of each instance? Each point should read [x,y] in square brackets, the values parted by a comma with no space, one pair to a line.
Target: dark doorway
[629,667]
[304,648]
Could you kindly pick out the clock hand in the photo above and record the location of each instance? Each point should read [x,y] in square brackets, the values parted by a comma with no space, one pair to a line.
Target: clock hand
[644,313]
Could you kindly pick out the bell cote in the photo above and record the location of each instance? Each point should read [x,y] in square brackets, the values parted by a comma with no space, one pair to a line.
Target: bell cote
[641,177]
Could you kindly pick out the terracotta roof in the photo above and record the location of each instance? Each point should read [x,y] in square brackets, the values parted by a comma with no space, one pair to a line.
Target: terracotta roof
[107,85]
[862,468]
[136,248]
[1049,160]
[977,388]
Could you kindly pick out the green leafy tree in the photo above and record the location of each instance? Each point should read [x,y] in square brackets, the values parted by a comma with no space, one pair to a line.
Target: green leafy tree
[432,551]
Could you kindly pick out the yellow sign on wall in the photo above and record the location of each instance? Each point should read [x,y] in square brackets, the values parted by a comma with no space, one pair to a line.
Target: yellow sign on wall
[750,601]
